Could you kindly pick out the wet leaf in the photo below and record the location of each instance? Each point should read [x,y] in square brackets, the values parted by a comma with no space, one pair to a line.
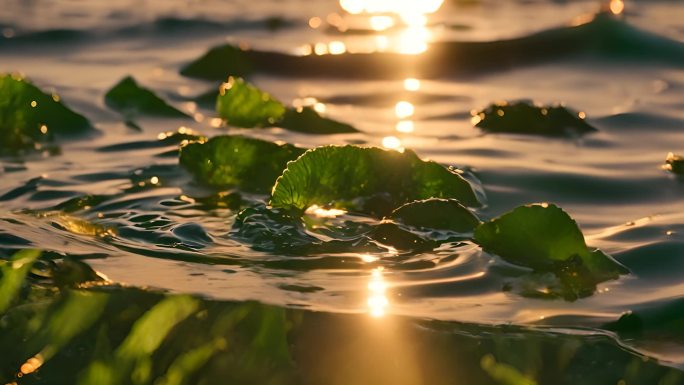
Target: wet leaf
[29,115]
[243,105]
[131,99]
[444,214]
[340,175]
[250,164]
[524,117]
[544,238]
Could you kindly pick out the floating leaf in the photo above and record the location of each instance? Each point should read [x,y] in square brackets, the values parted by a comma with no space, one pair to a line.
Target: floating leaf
[525,118]
[674,163]
[27,115]
[247,163]
[445,214]
[308,120]
[131,99]
[343,175]
[218,63]
[544,237]
[243,105]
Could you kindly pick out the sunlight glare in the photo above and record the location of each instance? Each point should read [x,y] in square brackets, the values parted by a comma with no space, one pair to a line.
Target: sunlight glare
[381,23]
[391,143]
[405,126]
[403,7]
[336,48]
[411,84]
[413,41]
[404,109]
[377,300]
[368,258]
[617,6]
[320,212]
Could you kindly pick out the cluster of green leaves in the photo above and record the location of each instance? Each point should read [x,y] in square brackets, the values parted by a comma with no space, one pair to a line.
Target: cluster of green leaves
[408,193]
[244,105]
[29,115]
[523,117]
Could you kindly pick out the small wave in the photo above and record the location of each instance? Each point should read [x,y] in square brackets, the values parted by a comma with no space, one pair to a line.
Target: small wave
[604,37]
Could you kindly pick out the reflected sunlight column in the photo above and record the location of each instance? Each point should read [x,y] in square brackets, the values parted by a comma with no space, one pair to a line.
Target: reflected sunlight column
[377,298]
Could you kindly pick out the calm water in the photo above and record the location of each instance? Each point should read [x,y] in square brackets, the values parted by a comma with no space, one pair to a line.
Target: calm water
[165,236]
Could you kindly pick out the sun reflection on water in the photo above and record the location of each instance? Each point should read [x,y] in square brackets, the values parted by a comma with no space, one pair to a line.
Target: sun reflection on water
[617,6]
[403,8]
[377,298]
[404,109]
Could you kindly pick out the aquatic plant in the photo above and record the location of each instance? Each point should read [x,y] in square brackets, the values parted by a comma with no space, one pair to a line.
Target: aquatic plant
[244,105]
[345,176]
[238,161]
[544,238]
[523,117]
[29,115]
[131,99]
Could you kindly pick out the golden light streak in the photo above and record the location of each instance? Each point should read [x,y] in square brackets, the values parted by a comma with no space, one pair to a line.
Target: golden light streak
[377,298]
[320,212]
[404,109]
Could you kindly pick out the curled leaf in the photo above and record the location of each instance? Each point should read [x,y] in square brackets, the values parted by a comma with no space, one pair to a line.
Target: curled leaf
[344,175]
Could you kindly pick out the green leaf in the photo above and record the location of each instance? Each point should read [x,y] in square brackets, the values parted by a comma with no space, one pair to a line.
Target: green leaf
[219,63]
[28,114]
[13,274]
[130,99]
[243,105]
[526,118]
[544,237]
[250,164]
[309,121]
[445,214]
[343,175]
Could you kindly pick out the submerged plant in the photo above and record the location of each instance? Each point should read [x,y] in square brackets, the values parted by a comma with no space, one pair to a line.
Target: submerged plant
[523,117]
